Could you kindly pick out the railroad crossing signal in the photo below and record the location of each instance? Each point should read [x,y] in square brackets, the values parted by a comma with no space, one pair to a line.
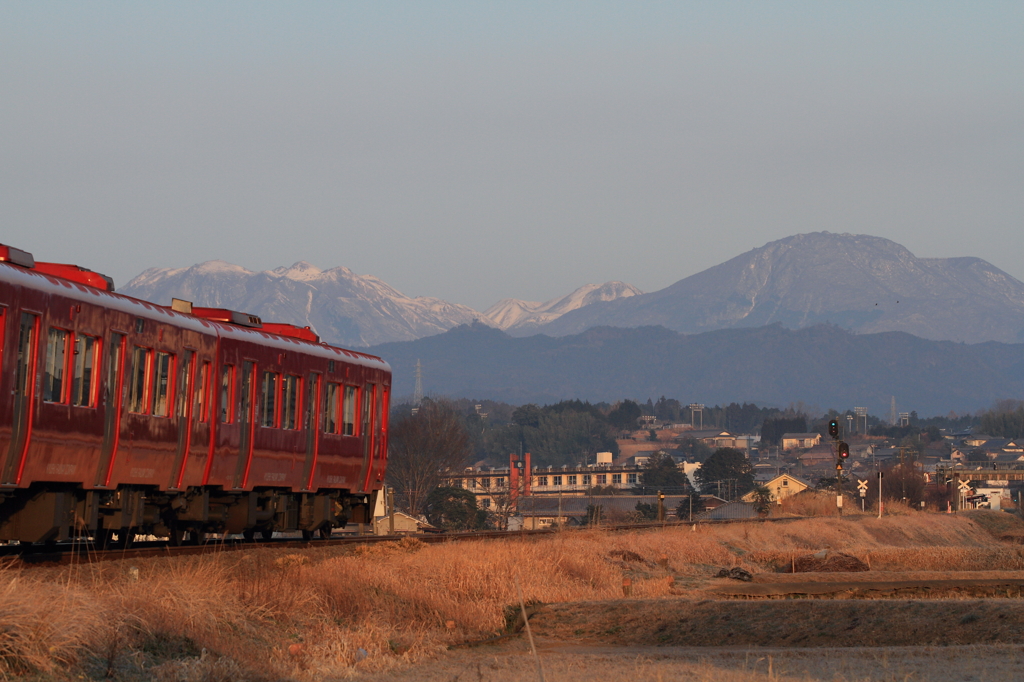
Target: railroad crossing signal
[862,487]
[964,486]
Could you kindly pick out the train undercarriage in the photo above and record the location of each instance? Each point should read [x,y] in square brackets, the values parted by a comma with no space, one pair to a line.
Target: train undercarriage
[46,514]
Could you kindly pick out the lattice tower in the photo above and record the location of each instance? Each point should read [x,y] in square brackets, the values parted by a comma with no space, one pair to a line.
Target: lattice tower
[417,394]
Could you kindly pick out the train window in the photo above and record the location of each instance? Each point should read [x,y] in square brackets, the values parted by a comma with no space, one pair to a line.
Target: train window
[185,384]
[82,376]
[202,390]
[290,401]
[380,421]
[137,388]
[26,341]
[56,366]
[365,412]
[348,419]
[268,400]
[162,384]
[331,397]
[227,394]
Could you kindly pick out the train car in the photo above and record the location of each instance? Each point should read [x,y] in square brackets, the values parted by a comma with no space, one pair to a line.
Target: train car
[120,417]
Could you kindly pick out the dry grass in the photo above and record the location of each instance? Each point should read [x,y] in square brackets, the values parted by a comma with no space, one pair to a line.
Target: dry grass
[332,613]
[823,503]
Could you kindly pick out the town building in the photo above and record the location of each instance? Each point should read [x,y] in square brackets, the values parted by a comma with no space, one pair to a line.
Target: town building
[500,488]
[792,441]
[717,438]
[781,487]
[549,511]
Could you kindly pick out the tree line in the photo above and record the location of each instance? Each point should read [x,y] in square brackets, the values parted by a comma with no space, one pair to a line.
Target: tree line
[572,432]
[1004,420]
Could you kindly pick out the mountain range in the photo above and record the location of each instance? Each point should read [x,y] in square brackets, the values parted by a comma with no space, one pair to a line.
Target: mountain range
[526,316]
[823,366]
[835,320]
[342,307]
[858,282]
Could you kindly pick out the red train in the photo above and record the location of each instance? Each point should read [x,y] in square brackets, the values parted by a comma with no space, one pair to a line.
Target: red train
[119,417]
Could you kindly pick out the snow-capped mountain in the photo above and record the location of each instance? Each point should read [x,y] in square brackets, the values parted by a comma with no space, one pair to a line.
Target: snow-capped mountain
[863,283]
[522,317]
[342,307]
[345,308]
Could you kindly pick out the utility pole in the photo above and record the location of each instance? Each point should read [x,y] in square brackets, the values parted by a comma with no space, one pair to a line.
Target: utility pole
[879,494]
[903,473]
[391,511]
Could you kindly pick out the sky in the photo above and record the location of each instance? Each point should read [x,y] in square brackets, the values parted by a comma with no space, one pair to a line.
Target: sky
[475,151]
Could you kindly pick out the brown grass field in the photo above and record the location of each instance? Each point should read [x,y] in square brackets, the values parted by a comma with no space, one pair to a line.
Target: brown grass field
[391,611]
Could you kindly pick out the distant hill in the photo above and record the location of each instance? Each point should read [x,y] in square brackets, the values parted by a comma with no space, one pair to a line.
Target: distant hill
[862,283]
[525,316]
[342,307]
[821,365]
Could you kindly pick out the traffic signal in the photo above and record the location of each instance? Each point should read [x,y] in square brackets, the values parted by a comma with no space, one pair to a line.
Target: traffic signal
[843,449]
[833,429]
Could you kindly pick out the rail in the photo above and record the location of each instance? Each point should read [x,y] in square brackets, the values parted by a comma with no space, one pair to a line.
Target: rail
[56,554]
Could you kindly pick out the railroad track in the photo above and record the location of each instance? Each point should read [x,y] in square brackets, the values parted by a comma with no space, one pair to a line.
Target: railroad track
[56,554]
[86,552]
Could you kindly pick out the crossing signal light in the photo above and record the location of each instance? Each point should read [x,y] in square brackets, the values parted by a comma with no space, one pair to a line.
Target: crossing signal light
[833,428]
[844,450]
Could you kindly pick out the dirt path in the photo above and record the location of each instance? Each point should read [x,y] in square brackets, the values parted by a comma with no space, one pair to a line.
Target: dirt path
[567,662]
[785,623]
[1009,587]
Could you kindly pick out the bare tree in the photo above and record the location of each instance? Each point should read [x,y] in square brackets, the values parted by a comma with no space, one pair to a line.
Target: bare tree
[504,506]
[423,448]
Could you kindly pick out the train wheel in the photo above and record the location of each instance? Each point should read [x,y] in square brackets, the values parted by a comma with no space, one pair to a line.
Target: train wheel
[307,535]
[103,538]
[249,534]
[267,533]
[196,537]
[325,532]
[126,537]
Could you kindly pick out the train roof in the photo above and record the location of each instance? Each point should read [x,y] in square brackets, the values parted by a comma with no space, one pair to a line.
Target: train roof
[22,276]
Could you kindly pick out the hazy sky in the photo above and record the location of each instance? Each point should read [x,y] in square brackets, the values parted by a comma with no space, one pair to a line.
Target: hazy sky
[477,151]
